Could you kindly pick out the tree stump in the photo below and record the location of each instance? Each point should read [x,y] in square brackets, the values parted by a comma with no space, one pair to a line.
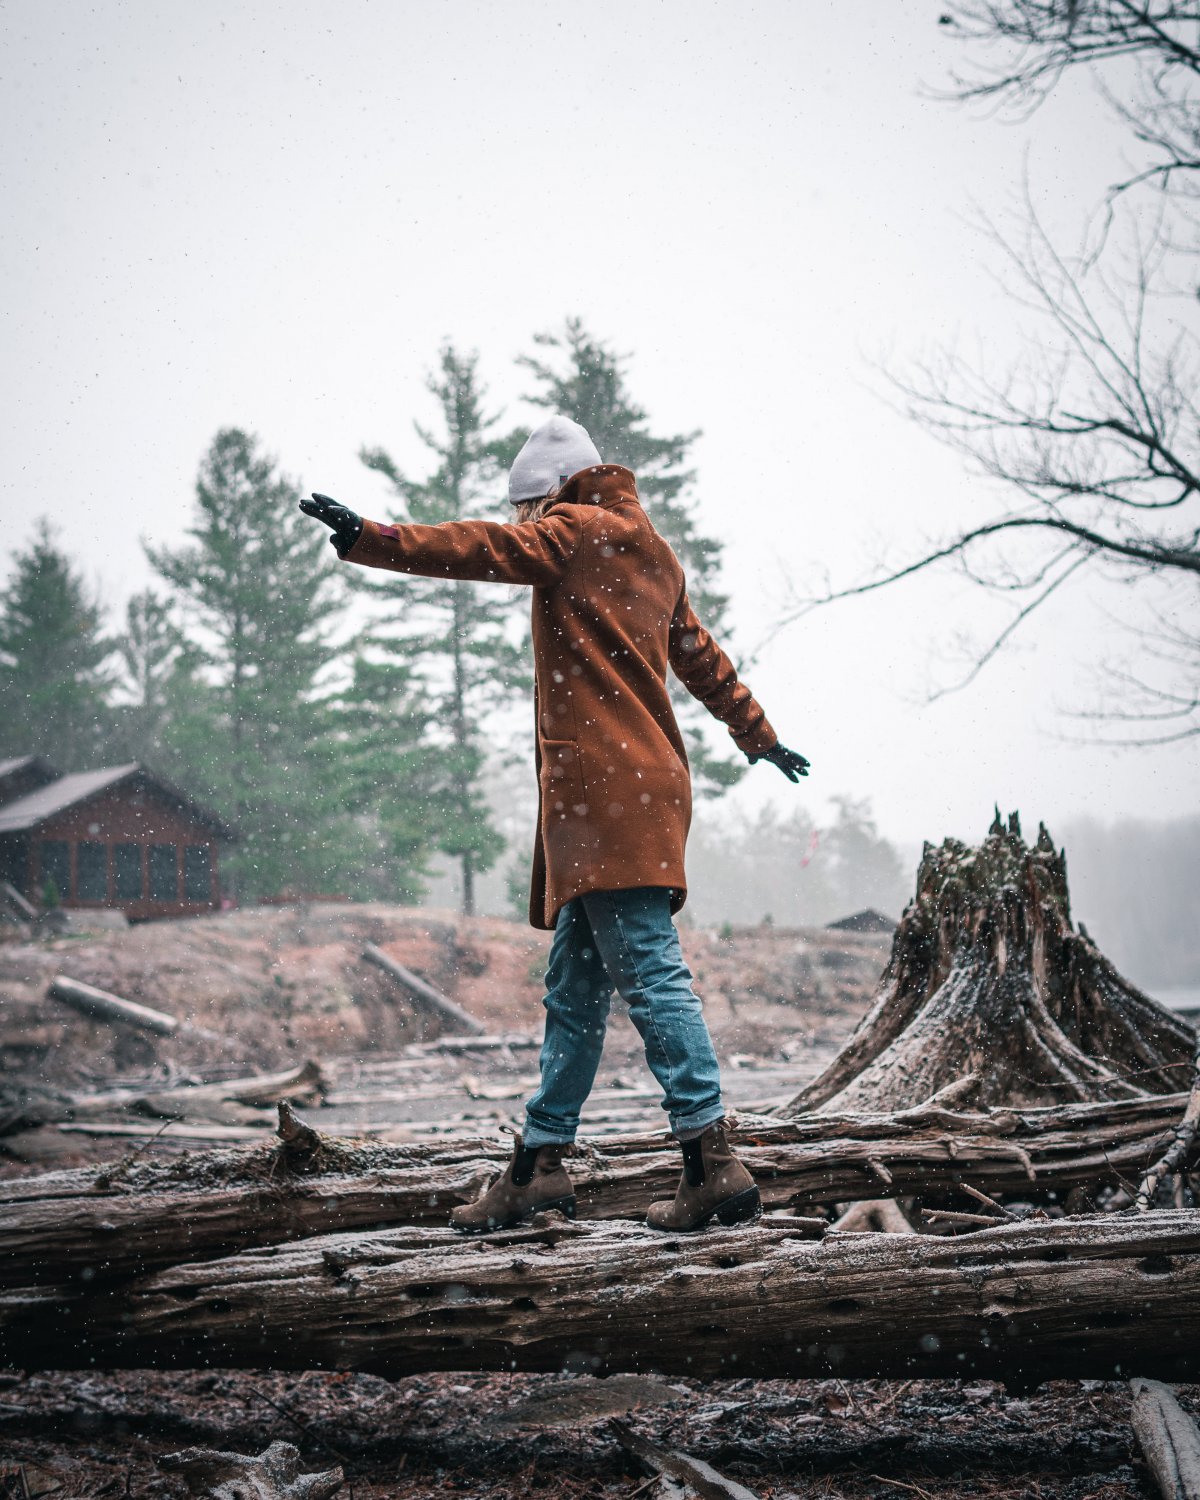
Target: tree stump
[991,987]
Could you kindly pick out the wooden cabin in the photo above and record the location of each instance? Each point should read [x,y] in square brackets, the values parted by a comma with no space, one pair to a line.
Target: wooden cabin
[119,837]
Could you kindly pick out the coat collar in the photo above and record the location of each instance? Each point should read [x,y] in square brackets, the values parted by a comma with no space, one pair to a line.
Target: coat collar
[605,485]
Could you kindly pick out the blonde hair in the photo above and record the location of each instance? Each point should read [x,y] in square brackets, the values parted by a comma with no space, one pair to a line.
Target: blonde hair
[534,510]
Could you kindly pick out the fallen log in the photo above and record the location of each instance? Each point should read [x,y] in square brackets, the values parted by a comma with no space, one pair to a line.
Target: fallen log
[99,1005]
[1168,1438]
[1087,1297]
[94,1222]
[424,994]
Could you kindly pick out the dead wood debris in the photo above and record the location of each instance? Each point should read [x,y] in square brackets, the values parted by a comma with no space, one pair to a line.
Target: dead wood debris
[273,1474]
[1173,1159]
[693,1473]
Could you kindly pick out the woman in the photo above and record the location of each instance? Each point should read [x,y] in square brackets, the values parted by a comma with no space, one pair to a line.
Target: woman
[610,615]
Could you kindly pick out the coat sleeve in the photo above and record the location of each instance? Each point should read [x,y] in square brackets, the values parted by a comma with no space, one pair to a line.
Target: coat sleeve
[709,675]
[535,552]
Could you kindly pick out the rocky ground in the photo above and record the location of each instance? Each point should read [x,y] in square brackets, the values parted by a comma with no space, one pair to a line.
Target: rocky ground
[279,985]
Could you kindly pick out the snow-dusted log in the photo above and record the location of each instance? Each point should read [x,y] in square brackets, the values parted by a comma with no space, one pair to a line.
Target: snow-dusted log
[1097,1296]
[989,979]
[106,1223]
[1168,1438]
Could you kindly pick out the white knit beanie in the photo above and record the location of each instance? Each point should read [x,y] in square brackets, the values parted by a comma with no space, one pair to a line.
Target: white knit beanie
[558,449]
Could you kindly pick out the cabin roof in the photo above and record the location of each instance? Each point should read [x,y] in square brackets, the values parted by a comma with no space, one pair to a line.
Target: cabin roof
[868,920]
[69,791]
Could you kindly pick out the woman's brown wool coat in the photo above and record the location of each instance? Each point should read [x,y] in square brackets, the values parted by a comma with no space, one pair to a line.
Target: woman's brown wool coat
[610,614]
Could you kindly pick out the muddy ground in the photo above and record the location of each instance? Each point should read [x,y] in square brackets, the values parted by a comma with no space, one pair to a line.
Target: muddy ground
[504,1437]
[279,985]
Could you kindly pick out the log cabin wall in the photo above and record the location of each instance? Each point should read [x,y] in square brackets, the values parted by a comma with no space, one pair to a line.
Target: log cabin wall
[131,849]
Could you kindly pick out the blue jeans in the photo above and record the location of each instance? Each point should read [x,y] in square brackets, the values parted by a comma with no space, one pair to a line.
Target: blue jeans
[622,940]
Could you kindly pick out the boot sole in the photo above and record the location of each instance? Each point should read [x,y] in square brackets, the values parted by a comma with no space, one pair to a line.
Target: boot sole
[739,1209]
[492,1226]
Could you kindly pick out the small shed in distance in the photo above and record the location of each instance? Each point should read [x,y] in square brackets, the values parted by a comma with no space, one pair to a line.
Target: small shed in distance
[119,837]
[868,920]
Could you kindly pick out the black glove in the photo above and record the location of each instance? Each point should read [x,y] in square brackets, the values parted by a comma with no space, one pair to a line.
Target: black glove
[345,525]
[789,762]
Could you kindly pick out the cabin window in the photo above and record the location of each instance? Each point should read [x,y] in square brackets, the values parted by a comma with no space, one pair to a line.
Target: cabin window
[197,880]
[55,869]
[91,871]
[127,872]
[164,873]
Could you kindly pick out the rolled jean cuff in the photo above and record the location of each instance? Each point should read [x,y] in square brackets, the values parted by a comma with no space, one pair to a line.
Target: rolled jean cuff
[534,1135]
[688,1127]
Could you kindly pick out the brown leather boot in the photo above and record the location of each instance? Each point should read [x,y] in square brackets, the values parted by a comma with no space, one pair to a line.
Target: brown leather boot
[534,1180]
[714,1183]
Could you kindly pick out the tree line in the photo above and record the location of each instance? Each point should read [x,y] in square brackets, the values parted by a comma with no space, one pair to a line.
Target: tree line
[343,721]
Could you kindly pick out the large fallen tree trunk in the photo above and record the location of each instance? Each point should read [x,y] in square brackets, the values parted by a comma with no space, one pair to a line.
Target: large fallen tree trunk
[1098,1296]
[990,981]
[116,1222]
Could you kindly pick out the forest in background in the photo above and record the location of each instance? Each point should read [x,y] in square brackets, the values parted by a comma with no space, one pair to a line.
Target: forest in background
[349,724]
[369,734]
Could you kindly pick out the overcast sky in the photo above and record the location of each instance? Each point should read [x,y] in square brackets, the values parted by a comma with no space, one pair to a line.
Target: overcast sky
[271,215]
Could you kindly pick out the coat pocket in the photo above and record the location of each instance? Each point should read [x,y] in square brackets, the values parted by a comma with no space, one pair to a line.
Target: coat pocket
[563,799]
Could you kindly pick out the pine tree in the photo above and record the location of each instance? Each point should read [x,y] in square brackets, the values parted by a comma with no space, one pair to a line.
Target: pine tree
[262,606]
[389,771]
[54,660]
[585,379]
[148,651]
[457,637]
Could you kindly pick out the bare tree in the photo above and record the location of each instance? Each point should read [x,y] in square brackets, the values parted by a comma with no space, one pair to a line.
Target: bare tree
[1095,430]
[1018,50]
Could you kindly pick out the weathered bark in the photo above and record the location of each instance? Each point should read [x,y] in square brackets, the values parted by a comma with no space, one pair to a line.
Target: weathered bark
[1168,1438]
[425,996]
[1043,1299]
[989,978]
[115,1222]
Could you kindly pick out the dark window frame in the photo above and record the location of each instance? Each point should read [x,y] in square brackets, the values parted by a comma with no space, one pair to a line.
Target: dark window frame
[154,892]
[125,895]
[66,885]
[85,852]
[191,890]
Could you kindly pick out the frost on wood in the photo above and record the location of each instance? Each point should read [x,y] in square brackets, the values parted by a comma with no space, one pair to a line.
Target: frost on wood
[1090,1296]
[991,987]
